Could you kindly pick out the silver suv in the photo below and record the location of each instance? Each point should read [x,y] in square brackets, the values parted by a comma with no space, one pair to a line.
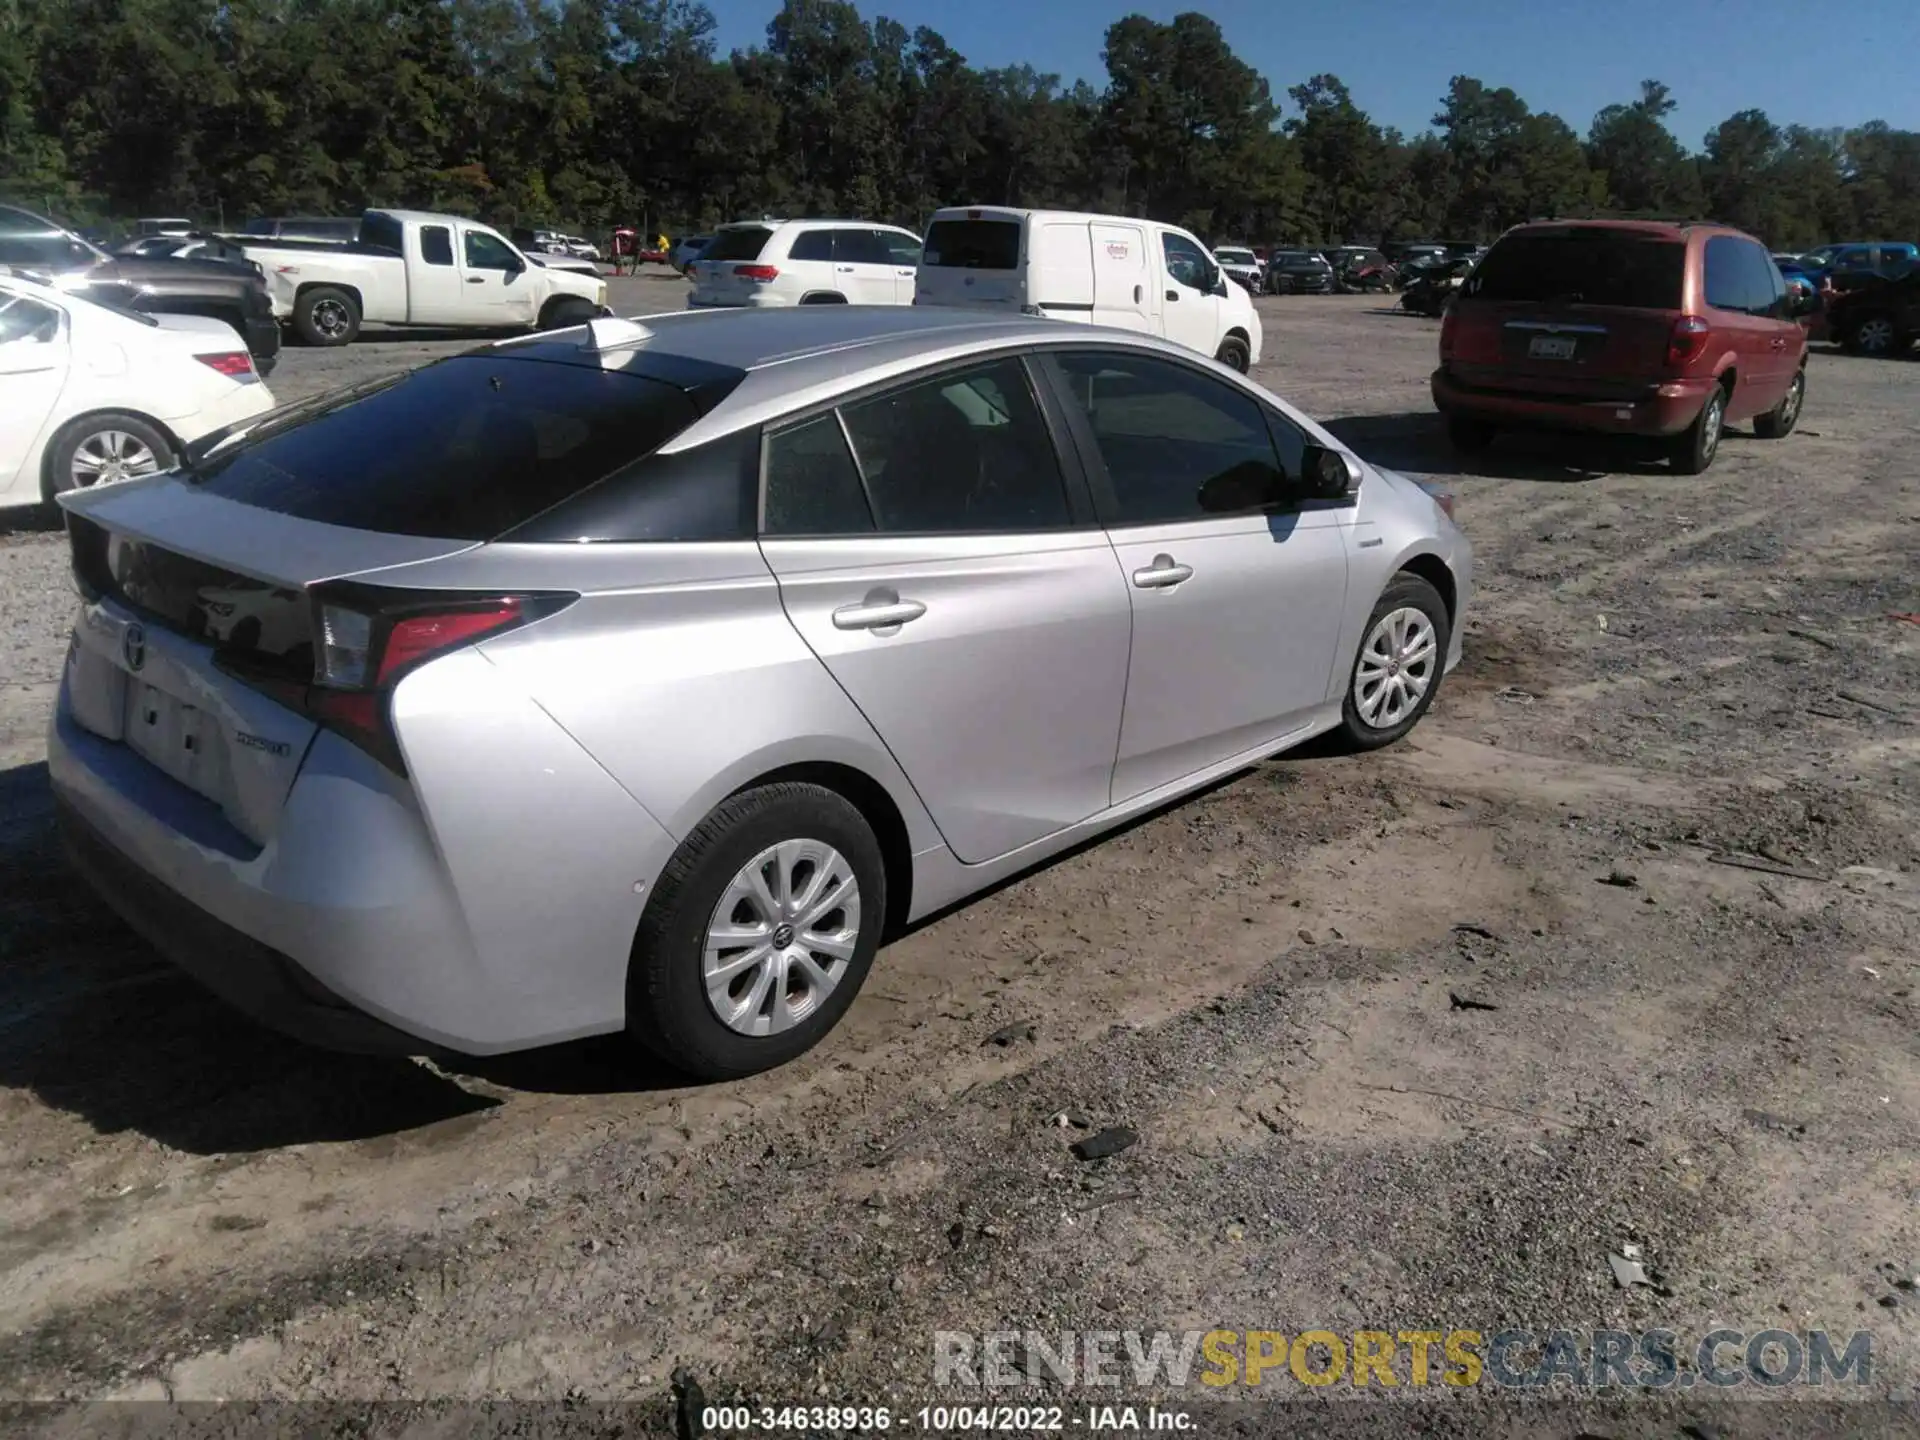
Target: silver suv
[648,676]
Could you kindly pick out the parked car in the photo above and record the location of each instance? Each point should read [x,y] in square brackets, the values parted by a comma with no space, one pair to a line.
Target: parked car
[1880,258]
[90,395]
[1882,319]
[1431,286]
[1239,264]
[197,246]
[37,248]
[683,254]
[1299,272]
[1094,269]
[414,268]
[580,247]
[1405,252]
[332,229]
[806,262]
[162,226]
[648,676]
[1358,267]
[1661,329]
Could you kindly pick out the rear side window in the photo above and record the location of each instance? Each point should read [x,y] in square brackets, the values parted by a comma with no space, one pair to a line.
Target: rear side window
[861,247]
[1588,267]
[436,245]
[465,450]
[973,245]
[813,486]
[1741,276]
[811,245]
[743,242]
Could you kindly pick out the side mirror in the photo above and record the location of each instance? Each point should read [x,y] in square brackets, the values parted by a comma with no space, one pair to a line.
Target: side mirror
[1802,302]
[1250,485]
[1329,474]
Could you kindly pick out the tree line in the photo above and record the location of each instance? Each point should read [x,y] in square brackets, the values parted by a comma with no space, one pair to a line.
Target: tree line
[590,113]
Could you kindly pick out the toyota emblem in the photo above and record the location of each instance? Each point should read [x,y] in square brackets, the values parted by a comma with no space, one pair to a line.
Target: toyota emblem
[133,645]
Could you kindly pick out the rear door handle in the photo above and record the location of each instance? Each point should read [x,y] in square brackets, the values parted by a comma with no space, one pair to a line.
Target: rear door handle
[846,269]
[1162,574]
[875,614]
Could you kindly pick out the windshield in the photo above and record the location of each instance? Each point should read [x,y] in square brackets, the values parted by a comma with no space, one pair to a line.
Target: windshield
[1589,267]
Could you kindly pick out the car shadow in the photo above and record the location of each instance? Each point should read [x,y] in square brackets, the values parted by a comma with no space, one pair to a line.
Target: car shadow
[1417,442]
[31,520]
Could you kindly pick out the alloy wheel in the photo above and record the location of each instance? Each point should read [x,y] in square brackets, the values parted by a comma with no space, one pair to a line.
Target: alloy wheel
[1397,665]
[781,937]
[110,455]
[330,318]
[1875,336]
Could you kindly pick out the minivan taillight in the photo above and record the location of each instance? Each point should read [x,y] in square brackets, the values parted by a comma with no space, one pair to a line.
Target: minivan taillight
[1686,340]
[1448,323]
[369,640]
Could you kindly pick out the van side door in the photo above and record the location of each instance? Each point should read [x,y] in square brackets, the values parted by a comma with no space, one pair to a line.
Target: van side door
[1126,281]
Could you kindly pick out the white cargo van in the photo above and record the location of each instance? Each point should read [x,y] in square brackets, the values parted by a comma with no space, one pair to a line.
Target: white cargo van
[1097,269]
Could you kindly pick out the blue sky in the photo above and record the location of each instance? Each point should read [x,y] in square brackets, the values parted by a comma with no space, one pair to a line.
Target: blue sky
[1809,63]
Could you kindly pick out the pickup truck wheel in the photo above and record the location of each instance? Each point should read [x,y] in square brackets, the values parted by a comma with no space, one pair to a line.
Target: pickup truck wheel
[565,311]
[326,316]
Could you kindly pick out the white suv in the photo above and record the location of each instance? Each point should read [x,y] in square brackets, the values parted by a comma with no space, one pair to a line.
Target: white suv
[806,262]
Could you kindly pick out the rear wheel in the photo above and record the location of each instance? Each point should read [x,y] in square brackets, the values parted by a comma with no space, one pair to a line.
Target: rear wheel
[759,934]
[104,448]
[1694,448]
[1779,421]
[1402,657]
[326,315]
[1467,435]
[1234,355]
[1872,335]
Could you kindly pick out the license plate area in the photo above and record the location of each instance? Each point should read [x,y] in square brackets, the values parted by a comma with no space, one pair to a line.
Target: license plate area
[174,737]
[1551,347]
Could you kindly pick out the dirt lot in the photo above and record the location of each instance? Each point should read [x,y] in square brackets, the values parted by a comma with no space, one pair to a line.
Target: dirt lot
[1718,1064]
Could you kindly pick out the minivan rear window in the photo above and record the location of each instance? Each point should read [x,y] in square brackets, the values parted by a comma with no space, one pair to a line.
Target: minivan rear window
[463,450]
[1587,267]
[742,242]
[973,245]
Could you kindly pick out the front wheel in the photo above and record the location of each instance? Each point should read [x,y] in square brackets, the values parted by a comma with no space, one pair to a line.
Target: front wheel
[1233,354]
[1779,421]
[759,933]
[566,311]
[1397,672]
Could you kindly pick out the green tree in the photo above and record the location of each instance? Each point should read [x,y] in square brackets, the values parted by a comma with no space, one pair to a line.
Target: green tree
[1645,168]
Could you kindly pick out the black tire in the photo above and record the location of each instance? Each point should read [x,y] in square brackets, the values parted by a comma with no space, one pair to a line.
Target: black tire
[1778,422]
[565,311]
[1693,449]
[668,1011]
[326,316]
[1467,435]
[824,297]
[1406,591]
[1234,355]
[57,475]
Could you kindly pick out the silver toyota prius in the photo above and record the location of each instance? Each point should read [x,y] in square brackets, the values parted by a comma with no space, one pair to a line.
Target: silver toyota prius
[647,675]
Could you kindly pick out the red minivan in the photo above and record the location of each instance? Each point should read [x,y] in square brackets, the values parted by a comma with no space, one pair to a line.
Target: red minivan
[1667,329]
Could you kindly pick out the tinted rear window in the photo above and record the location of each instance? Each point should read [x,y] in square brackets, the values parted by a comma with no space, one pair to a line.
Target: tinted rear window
[465,450]
[1591,267]
[744,243]
[973,245]
[383,232]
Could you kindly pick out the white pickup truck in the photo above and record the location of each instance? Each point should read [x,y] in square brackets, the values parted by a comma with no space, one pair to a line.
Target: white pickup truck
[412,268]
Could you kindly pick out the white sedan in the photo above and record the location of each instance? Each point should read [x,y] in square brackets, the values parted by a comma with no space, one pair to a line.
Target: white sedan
[90,394]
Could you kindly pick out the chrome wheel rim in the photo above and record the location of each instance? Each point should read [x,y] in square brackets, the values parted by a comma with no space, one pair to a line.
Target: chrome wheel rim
[330,318]
[1396,669]
[1790,407]
[107,456]
[1876,336]
[1710,425]
[781,937]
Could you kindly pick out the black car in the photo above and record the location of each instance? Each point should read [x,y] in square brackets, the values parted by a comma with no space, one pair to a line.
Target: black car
[226,290]
[1298,272]
[1877,319]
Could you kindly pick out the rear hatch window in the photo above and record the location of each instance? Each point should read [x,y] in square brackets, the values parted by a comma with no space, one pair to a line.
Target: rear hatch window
[744,242]
[973,245]
[1584,267]
[465,450]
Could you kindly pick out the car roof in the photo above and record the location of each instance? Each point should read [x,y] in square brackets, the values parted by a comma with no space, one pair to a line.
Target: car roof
[797,356]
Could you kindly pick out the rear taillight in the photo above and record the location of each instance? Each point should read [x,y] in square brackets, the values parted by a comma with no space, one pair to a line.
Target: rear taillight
[1686,340]
[760,274]
[369,640]
[1448,324]
[235,364]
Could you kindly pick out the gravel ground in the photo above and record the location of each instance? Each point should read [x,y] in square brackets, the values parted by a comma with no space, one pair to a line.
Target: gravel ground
[1413,1040]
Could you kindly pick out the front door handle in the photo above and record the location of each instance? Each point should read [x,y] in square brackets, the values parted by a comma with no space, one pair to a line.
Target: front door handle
[846,269]
[476,279]
[1780,344]
[877,613]
[1162,574]
[1173,294]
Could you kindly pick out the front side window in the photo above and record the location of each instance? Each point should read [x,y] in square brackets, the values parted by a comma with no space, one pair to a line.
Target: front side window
[1164,431]
[1186,261]
[488,252]
[963,453]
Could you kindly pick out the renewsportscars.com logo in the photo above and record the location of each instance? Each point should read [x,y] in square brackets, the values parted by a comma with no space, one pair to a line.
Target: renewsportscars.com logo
[1226,1360]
